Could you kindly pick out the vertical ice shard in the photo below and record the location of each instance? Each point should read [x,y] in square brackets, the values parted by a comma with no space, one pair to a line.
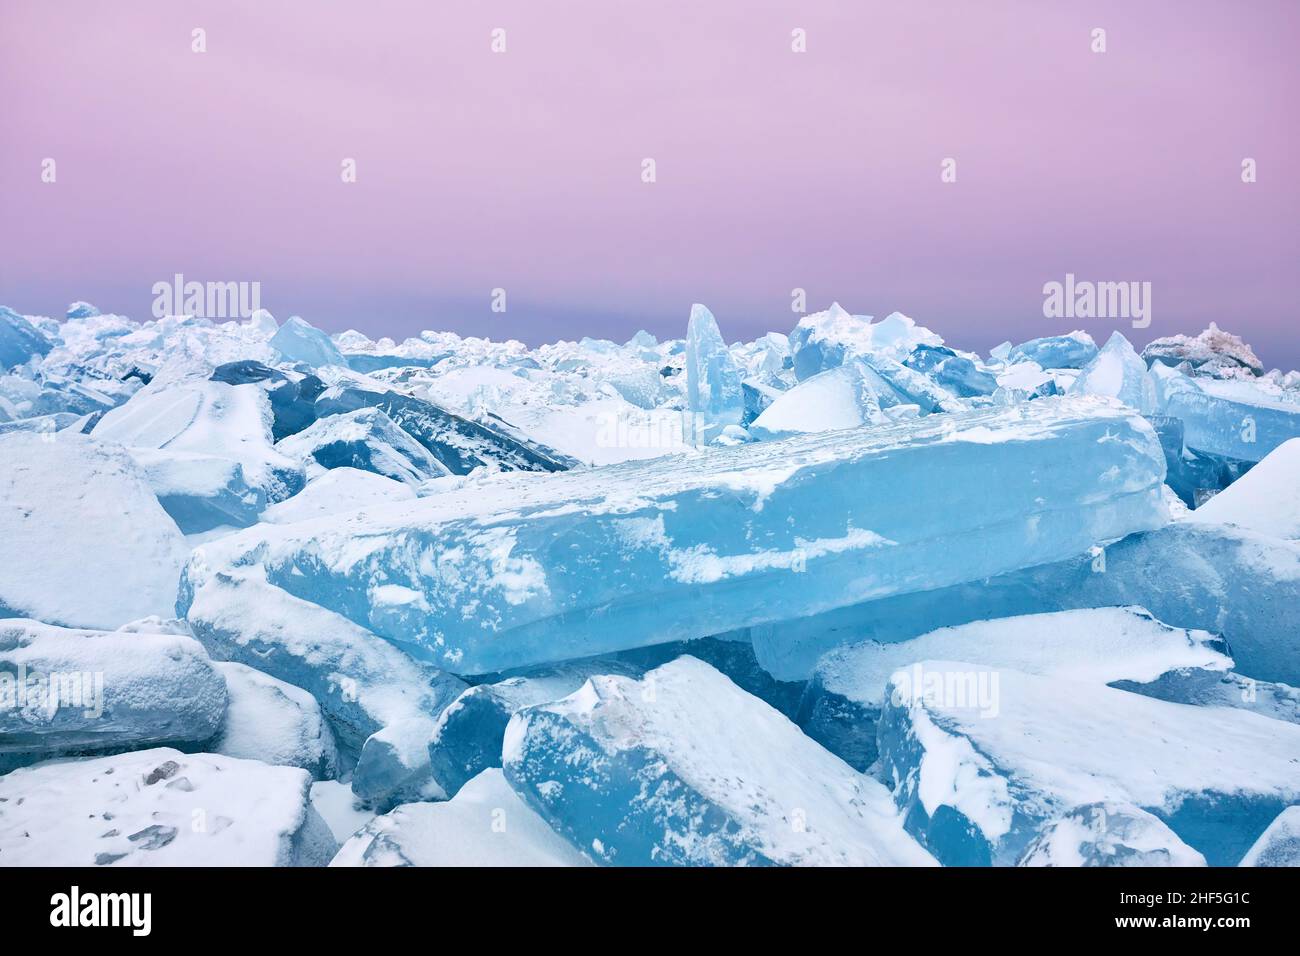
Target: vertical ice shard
[1117,371]
[713,381]
[526,570]
[683,767]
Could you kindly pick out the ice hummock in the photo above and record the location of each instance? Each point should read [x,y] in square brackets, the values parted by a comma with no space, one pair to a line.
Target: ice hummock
[160,807]
[1074,350]
[1108,834]
[826,340]
[528,569]
[83,540]
[19,339]
[683,767]
[976,778]
[1212,352]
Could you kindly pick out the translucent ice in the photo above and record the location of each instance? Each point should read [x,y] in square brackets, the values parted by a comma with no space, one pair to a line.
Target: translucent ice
[712,378]
[69,691]
[1118,371]
[842,703]
[527,569]
[957,373]
[486,824]
[683,767]
[1231,418]
[299,341]
[828,339]
[977,774]
[1056,351]
[143,809]
[83,540]
[19,339]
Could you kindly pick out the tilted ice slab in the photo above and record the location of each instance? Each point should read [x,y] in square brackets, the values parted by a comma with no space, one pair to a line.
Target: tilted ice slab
[83,540]
[842,703]
[208,418]
[64,690]
[366,439]
[300,341]
[530,569]
[975,779]
[277,723]
[683,767]
[160,808]
[200,492]
[1266,499]
[362,683]
[1119,372]
[1232,418]
[1279,845]
[19,339]
[485,824]
[1056,351]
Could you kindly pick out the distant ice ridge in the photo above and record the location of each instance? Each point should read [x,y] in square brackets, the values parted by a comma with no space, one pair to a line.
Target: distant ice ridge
[528,569]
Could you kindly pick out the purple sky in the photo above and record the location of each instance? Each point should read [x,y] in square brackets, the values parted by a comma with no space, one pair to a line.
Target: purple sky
[775,170]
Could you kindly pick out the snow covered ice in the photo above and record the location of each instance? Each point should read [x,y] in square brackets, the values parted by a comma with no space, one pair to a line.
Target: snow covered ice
[450,601]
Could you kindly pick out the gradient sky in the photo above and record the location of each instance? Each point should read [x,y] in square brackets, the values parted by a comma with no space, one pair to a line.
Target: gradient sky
[775,170]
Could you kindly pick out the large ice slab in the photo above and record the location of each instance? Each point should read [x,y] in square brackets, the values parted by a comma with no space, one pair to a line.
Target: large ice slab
[160,808]
[683,767]
[274,722]
[485,824]
[976,778]
[366,439]
[842,703]
[1266,499]
[83,540]
[362,683]
[1243,585]
[1232,418]
[207,418]
[529,569]
[64,690]
[200,492]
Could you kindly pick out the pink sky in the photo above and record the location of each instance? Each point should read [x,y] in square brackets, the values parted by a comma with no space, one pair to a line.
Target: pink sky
[776,170]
